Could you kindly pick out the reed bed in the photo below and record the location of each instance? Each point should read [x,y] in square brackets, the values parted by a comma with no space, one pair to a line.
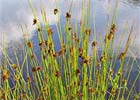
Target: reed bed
[69,73]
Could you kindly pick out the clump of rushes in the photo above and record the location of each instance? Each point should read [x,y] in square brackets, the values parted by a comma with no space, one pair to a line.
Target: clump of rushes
[70,72]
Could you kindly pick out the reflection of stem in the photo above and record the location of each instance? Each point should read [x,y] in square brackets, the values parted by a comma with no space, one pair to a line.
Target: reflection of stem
[115,12]
[71,6]
[129,38]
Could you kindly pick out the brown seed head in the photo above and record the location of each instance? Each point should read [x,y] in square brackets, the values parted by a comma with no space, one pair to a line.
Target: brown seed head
[49,31]
[74,36]
[111,72]
[44,90]
[46,42]
[106,38]
[69,28]
[122,56]
[29,44]
[32,56]
[40,98]
[78,72]
[110,36]
[55,11]
[103,92]
[58,74]
[79,94]
[50,51]
[14,66]
[113,28]
[56,54]
[6,74]
[119,73]
[111,58]
[41,44]
[88,31]
[124,82]
[71,49]
[23,95]
[51,45]
[63,46]
[113,92]
[86,60]
[99,64]
[34,21]
[68,15]
[61,51]
[91,90]
[81,55]
[2,96]
[77,40]
[94,44]
[71,98]
[35,69]
[39,30]
[79,83]
[39,68]
[28,79]
[102,58]
[87,83]
[16,77]
[80,50]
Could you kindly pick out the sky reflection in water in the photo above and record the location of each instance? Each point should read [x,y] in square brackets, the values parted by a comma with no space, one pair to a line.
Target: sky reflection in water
[13,13]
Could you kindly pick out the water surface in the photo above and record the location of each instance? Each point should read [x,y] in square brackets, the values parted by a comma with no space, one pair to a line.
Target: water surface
[14,13]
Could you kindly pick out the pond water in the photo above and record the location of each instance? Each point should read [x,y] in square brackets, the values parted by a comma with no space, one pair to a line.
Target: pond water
[13,13]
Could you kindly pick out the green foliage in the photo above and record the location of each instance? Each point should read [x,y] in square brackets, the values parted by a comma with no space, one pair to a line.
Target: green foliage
[69,73]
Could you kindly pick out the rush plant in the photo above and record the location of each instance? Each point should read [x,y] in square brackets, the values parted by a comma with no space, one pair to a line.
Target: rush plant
[69,73]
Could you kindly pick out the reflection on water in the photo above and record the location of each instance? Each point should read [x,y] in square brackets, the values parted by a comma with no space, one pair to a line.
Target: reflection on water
[134,2]
[127,11]
[9,23]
